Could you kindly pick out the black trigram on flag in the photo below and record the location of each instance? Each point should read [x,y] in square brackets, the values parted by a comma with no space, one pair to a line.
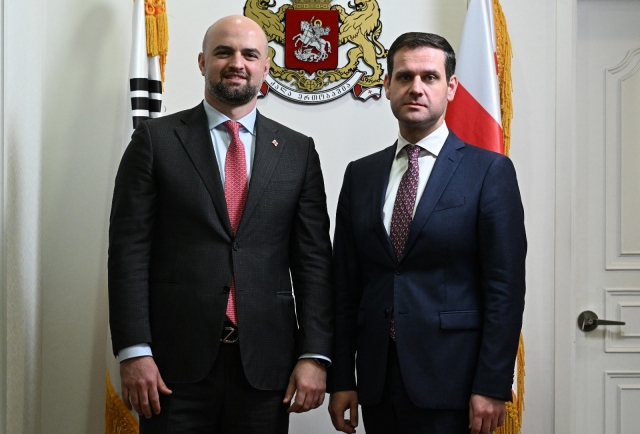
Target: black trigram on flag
[146,98]
[145,85]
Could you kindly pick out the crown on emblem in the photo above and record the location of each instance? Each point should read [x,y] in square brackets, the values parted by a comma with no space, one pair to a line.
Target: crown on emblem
[312,4]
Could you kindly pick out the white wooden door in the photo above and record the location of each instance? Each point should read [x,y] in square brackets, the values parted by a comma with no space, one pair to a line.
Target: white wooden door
[605,219]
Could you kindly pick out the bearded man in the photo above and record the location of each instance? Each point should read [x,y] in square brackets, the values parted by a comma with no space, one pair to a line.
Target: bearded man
[218,217]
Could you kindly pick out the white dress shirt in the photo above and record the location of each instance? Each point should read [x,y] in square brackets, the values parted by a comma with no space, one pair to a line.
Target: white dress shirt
[430,148]
[221,138]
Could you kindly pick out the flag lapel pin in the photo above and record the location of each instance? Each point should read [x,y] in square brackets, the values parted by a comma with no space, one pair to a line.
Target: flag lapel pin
[275,143]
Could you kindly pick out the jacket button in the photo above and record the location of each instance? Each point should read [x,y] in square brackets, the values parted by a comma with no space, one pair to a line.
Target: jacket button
[386,313]
[399,270]
[226,289]
[235,246]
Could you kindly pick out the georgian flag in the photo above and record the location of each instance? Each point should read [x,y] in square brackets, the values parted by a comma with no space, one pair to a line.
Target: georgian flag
[145,83]
[474,114]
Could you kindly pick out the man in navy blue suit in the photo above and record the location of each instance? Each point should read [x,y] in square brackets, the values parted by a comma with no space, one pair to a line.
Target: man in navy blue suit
[429,257]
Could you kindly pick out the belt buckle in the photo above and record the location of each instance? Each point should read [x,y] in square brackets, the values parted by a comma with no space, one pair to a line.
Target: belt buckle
[231,337]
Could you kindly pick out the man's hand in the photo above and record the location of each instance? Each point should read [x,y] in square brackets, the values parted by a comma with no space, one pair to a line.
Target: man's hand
[141,382]
[485,414]
[339,402]
[308,381]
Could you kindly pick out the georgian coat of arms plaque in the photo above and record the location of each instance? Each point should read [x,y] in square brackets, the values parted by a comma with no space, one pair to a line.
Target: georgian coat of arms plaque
[307,38]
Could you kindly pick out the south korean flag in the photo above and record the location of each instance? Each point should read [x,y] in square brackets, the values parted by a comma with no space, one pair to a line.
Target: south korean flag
[145,83]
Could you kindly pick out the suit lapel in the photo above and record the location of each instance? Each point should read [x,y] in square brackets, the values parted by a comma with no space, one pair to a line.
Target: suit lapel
[443,169]
[264,162]
[196,139]
[380,180]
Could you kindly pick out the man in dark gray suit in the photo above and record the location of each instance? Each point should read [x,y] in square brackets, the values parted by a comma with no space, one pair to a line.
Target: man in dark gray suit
[216,210]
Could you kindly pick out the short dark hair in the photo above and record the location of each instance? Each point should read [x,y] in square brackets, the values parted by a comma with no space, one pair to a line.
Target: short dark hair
[414,40]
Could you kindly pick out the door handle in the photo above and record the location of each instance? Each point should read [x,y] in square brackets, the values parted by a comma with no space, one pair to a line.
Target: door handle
[589,321]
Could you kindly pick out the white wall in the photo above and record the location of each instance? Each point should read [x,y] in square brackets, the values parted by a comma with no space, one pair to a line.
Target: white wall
[85,99]
[85,48]
[532,28]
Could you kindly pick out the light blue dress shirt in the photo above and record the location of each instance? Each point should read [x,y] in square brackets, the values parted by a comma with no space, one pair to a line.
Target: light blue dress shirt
[221,137]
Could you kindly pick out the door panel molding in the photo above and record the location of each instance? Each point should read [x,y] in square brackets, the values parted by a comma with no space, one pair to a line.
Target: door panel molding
[623,304]
[622,400]
[622,111]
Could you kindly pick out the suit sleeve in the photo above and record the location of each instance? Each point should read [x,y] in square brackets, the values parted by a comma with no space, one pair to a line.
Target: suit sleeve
[310,262]
[130,236]
[348,290]
[502,249]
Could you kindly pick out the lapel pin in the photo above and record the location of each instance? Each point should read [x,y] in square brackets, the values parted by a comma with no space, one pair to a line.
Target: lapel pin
[275,143]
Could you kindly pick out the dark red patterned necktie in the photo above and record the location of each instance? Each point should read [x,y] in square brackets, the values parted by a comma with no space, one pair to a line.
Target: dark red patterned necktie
[402,214]
[235,193]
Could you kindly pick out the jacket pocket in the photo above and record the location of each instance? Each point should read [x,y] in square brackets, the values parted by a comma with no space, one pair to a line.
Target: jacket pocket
[461,320]
[449,202]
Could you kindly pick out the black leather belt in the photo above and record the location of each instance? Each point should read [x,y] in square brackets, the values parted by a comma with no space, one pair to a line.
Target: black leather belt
[229,334]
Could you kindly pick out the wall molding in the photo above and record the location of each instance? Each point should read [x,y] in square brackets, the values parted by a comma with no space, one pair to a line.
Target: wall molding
[564,279]
[3,258]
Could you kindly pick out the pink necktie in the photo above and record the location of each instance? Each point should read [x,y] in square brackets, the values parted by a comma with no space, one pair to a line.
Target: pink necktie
[403,210]
[235,193]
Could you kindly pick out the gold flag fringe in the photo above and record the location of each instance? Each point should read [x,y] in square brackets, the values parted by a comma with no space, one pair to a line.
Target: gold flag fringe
[117,417]
[504,53]
[157,27]
[515,409]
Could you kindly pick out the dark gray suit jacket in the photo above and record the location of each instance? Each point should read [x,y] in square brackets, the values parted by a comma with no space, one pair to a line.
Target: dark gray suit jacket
[172,253]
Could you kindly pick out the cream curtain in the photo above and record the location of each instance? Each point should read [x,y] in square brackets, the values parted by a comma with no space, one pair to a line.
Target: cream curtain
[22,23]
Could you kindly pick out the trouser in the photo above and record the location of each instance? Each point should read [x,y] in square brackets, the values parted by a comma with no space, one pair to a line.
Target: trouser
[222,403]
[398,414]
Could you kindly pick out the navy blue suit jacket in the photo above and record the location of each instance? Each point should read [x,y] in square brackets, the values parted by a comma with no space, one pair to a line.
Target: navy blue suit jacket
[457,293]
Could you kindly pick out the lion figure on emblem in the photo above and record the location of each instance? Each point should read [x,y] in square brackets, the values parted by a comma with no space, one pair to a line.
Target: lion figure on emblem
[362,27]
[271,23]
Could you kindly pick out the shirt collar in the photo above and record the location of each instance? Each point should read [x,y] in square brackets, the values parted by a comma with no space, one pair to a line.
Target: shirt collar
[216,118]
[432,143]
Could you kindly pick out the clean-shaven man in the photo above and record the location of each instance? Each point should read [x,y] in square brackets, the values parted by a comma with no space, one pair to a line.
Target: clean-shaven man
[429,262]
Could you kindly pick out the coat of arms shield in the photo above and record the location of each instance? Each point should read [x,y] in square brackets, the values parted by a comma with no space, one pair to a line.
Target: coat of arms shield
[311,39]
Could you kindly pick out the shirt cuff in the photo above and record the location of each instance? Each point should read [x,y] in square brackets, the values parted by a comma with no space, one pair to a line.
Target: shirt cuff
[315,356]
[139,350]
